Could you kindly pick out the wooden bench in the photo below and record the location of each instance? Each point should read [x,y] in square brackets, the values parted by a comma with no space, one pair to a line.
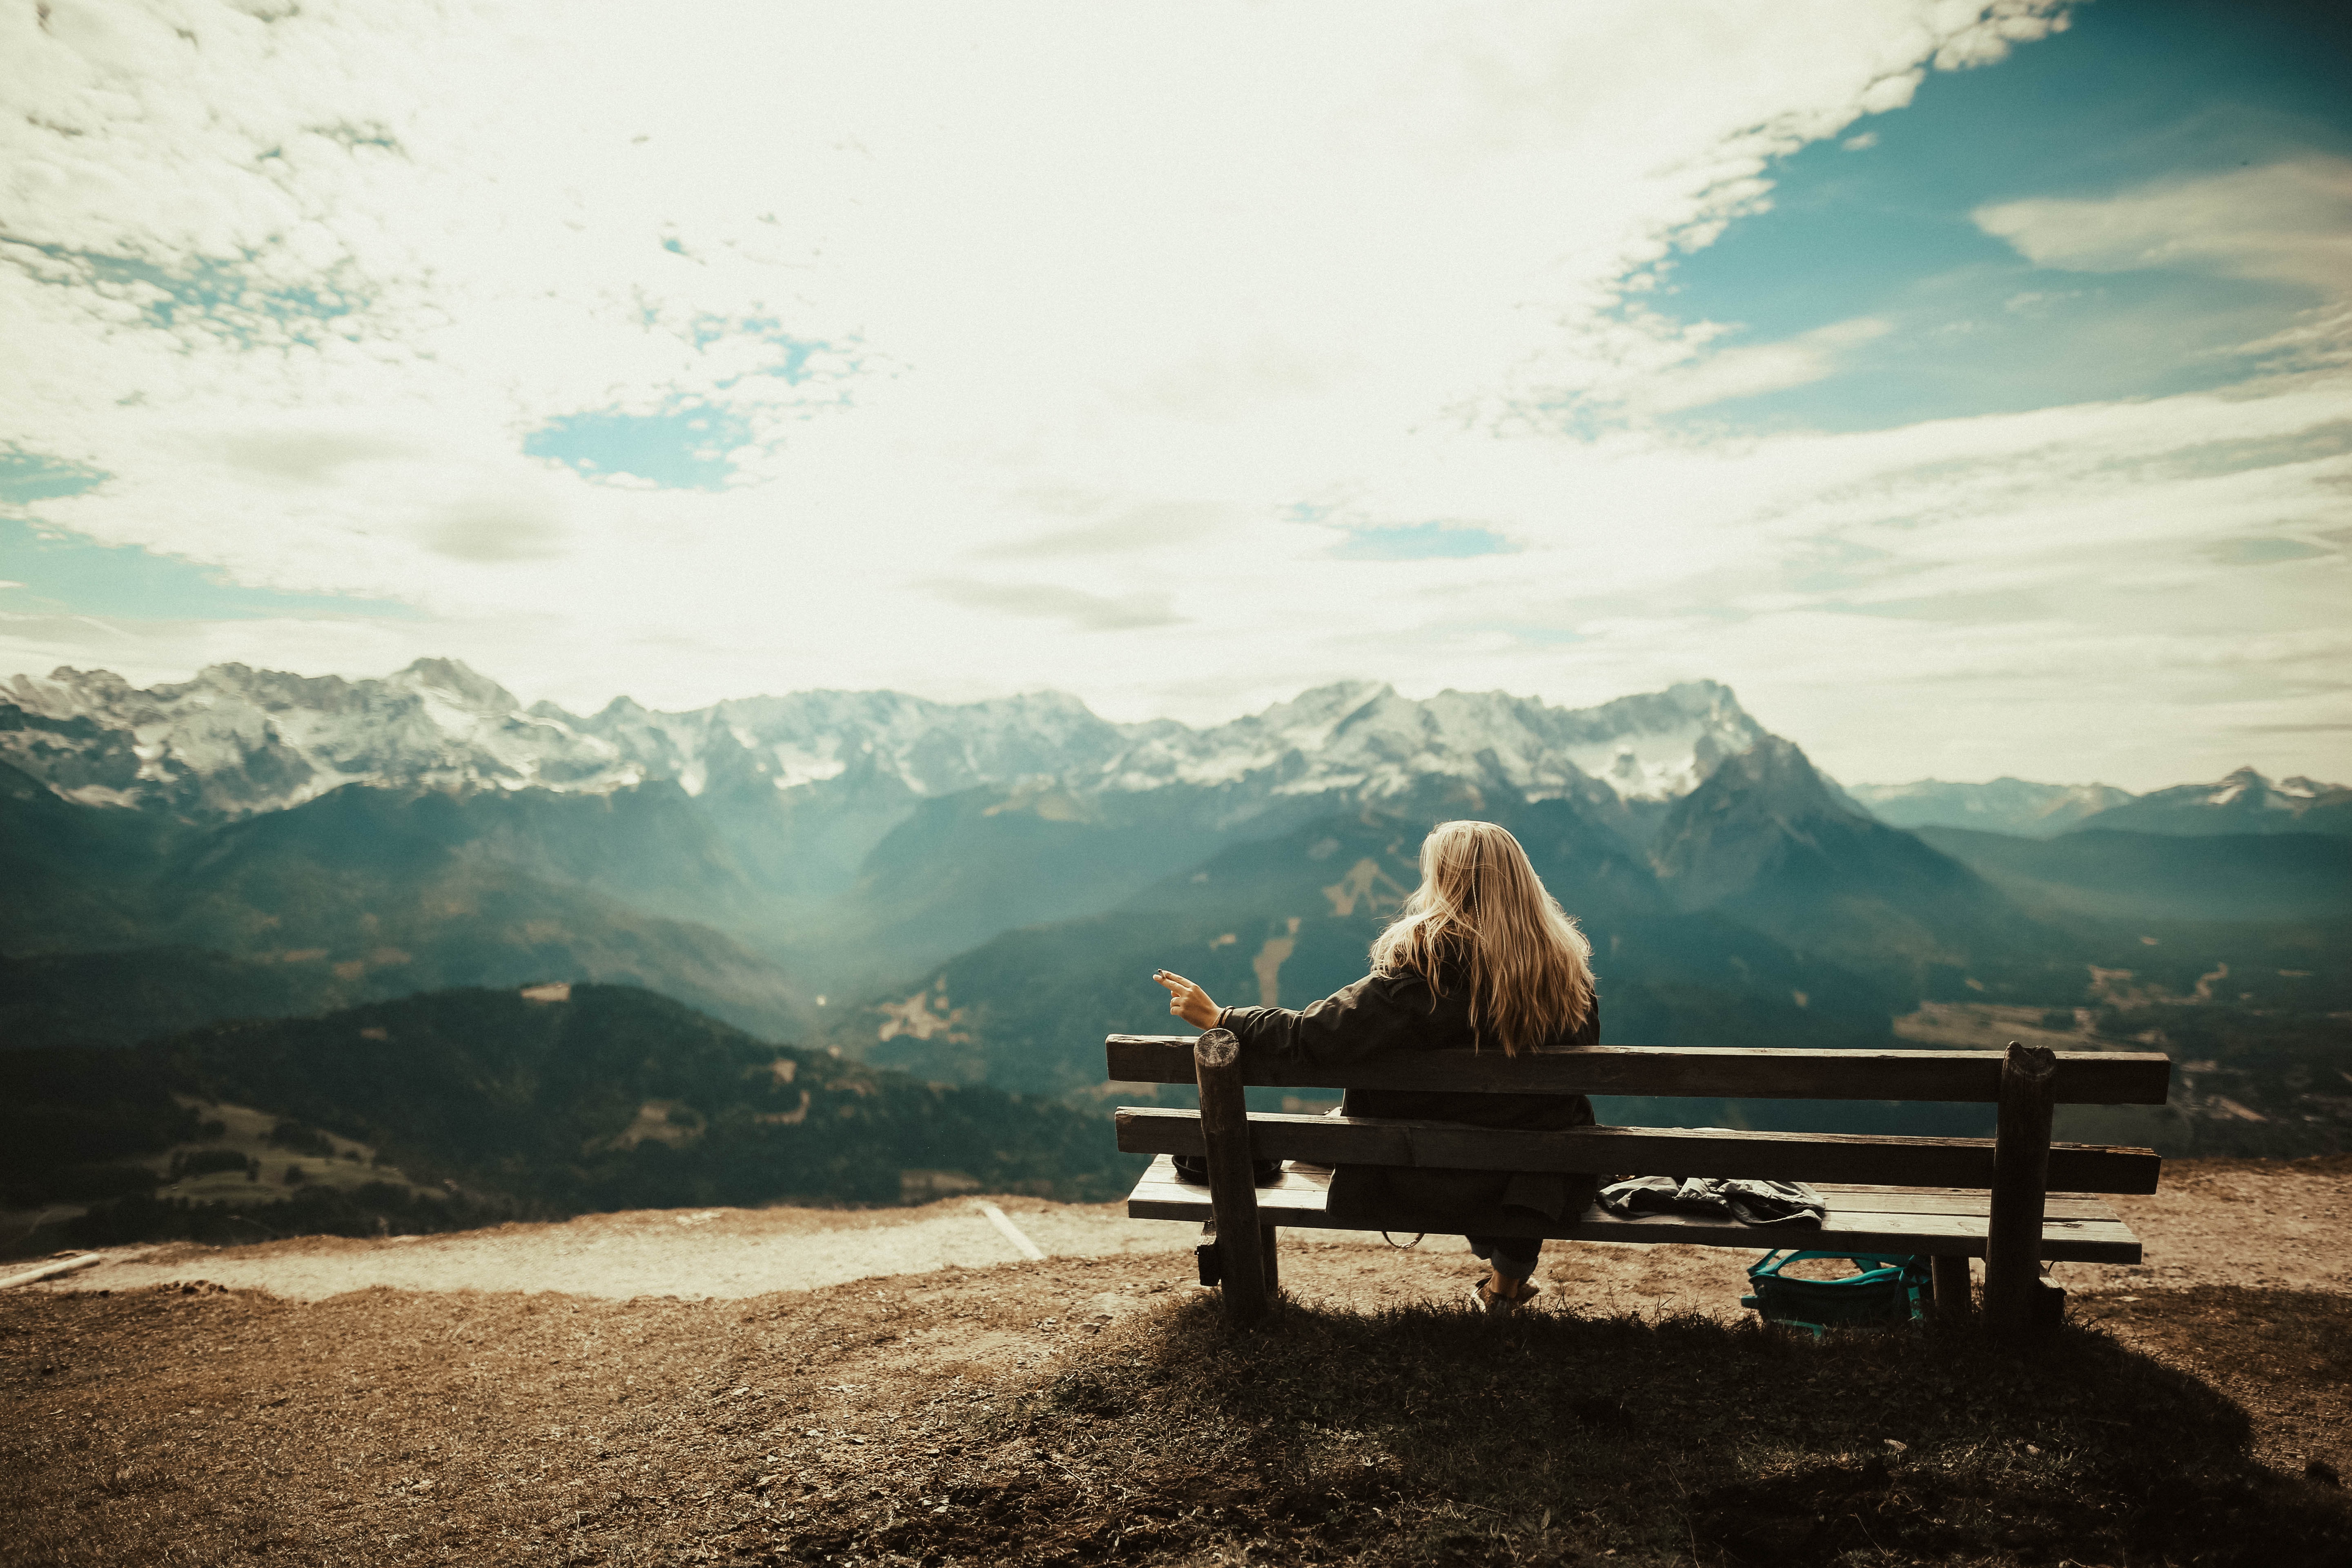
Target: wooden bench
[2015,1199]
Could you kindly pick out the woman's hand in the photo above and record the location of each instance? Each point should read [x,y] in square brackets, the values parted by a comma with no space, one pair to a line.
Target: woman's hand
[1188,1001]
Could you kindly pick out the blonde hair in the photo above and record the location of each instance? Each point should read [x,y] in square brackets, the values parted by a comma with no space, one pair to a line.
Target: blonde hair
[1481,910]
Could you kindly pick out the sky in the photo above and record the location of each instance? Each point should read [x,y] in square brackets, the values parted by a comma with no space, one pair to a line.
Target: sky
[1968,385]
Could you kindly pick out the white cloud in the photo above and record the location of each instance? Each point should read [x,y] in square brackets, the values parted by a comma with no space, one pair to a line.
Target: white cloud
[2285,223]
[1047,600]
[2289,222]
[1748,370]
[1092,314]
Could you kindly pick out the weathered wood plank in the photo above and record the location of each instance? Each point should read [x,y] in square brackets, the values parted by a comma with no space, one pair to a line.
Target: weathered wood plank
[1682,1151]
[2020,1186]
[2085,1078]
[1276,1205]
[1953,1299]
[1842,1197]
[2063,1241]
[1829,1187]
[1873,1200]
[1300,1200]
[1222,1122]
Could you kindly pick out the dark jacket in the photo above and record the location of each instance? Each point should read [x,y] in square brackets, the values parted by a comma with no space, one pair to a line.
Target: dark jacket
[1381,1017]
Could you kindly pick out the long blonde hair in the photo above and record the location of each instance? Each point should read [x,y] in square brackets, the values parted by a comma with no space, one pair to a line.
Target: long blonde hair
[1482,911]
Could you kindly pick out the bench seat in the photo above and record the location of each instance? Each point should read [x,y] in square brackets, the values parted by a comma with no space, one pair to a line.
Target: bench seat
[2076,1227]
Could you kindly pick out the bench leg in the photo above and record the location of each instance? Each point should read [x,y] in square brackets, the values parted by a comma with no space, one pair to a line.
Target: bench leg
[1242,1253]
[1272,1262]
[1952,1293]
[2020,1169]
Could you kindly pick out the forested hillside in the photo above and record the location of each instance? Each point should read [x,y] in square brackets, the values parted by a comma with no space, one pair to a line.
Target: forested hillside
[473,1103]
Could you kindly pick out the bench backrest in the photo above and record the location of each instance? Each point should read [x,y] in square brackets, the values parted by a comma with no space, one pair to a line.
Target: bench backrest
[2083,1077]
[1637,1150]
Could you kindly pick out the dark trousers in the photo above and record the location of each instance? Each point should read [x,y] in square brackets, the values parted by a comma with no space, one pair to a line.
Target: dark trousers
[1512,1256]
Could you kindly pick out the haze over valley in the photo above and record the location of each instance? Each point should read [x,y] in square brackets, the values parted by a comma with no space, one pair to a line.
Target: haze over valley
[973,894]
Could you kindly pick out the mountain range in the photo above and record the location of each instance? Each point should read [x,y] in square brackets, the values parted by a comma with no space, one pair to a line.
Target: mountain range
[975,890]
[430,823]
[2243,802]
[236,742]
[974,894]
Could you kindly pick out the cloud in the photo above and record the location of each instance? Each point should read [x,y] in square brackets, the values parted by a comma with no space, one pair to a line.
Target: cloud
[309,457]
[1163,523]
[1989,32]
[2321,339]
[346,302]
[2289,222]
[1047,600]
[495,530]
[1749,371]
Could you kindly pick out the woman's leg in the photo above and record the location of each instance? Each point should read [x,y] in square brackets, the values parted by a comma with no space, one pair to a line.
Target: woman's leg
[1510,1258]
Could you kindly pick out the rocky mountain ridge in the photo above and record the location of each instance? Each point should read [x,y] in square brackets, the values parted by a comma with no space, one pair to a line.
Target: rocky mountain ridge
[2012,805]
[2241,802]
[236,742]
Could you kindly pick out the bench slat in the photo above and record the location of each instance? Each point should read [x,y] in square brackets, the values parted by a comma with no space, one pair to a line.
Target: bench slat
[1779,1156]
[1939,1200]
[2085,1078]
[1852,1198]
[1299,1201]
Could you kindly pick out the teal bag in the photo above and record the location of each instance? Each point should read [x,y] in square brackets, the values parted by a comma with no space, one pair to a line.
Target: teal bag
[1885,1291]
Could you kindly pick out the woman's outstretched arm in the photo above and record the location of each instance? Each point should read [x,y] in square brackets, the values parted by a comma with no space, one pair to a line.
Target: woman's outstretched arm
[1188,1001]
[1339,1028]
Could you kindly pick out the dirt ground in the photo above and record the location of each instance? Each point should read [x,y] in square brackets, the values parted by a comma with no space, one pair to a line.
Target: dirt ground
[2267,1224]
[902,1387]
[1086,1410]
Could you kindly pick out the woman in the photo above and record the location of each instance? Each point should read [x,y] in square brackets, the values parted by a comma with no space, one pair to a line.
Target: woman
[1480,956]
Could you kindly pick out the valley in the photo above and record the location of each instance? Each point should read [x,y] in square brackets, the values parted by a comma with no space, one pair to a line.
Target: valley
[969,897]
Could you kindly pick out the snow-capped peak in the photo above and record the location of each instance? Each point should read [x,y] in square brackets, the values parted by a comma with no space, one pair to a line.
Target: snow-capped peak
[235,741]
[455,684]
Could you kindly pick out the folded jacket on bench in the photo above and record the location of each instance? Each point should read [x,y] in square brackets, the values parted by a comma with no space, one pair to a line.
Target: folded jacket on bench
[1745,1199]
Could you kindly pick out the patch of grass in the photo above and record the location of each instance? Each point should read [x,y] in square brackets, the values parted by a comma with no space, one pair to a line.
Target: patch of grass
[1084,1411]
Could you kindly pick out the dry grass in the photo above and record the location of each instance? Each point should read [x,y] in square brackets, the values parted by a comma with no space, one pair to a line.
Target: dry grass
[1081,1410]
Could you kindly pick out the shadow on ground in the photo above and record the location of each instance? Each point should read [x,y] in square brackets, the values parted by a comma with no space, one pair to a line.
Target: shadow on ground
[1085,1411]
[1424,1435]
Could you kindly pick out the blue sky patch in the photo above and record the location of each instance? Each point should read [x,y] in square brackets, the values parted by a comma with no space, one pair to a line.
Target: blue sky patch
[685,446]
[1530,633]
[27,477]
[209,292]
[2128,96]
[52,570]
[2262,552]
[60,571]
[1421,541]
